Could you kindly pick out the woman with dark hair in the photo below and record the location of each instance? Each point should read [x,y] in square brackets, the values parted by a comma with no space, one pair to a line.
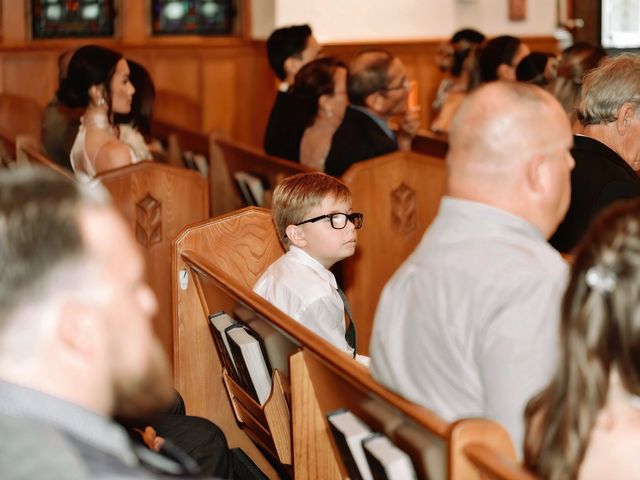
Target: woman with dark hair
[574,63]
[321,87]
[586,423]
[499,58]
[462,77]
[538,68]
[135,127]
[98,81]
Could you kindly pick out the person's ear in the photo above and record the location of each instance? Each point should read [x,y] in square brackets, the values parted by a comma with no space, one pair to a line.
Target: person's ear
[77,331]
[291,67]
[324,104]
[295,234]
[506,72]
[625,117]
[374,101]
[96,94]
[535,174]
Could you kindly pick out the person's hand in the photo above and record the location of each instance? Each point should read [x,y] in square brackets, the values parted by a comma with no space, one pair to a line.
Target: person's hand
[151,439]
[408,128]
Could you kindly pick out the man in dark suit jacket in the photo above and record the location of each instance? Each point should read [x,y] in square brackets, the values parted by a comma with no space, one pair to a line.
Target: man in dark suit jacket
[378,90]
[608,153]
[288,50]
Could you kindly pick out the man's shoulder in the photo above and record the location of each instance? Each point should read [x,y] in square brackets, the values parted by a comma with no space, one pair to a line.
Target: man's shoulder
[34,449]
[358,138]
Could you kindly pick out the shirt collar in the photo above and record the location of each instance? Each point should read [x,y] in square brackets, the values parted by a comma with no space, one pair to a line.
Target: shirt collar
[91,428]
[379,121]
[303,257]
[487,215]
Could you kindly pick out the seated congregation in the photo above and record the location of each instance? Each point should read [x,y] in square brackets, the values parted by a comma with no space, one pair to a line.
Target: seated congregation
[391,313]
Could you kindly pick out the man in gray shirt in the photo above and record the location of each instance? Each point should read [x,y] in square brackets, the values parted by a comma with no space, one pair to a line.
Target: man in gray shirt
[76,340]
[468,325]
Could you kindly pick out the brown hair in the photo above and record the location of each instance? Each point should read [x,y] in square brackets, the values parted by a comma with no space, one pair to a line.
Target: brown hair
[296,195]
[600,333]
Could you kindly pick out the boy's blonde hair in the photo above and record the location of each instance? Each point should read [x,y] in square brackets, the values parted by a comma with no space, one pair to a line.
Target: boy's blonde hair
[296,195]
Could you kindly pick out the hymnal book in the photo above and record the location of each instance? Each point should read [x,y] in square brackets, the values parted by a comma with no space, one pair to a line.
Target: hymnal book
[386,461]
[251,188]
[251,361]
[277,345]
[218,323]
[348,432]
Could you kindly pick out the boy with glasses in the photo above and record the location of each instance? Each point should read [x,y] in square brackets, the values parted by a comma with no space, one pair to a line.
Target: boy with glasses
[315,223]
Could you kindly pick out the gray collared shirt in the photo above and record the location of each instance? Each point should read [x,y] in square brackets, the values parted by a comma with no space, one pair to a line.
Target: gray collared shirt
[88,427]
[468,325]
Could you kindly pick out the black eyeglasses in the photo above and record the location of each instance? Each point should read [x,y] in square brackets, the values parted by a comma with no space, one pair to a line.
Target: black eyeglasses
[339,220]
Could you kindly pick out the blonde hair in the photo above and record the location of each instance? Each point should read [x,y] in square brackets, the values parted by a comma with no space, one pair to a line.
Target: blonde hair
[296,195]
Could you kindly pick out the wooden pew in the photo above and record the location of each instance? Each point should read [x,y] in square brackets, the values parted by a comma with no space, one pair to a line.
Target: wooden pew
[226,157]
[28,151]
[399,195]
[218,262]
[158,201]
[19,116]
[432,144]
[493,465]
[232,157]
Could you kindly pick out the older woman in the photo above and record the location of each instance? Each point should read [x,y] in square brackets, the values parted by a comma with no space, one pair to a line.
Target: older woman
[98,81]
[586,423]
[321,86]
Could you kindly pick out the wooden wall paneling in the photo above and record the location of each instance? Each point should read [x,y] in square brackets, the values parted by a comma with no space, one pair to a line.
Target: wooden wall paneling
[220,97]
[158,201]
[399,195]
[228,77]
[19,75]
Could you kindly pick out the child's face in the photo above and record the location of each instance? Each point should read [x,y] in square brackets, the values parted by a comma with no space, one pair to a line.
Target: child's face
[325,243]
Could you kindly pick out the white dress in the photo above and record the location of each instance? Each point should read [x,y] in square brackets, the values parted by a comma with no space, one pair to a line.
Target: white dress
[81,163]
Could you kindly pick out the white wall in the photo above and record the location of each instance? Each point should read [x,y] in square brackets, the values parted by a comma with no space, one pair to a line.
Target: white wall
[338,21]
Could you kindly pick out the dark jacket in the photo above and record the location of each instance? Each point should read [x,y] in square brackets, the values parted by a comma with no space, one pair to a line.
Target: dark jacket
[284,130]
[358,138]
[599,178]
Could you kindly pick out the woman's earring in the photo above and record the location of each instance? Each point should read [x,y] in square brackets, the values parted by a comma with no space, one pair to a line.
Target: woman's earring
[101,101]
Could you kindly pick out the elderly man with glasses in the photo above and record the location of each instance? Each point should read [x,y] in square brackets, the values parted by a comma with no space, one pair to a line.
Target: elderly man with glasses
[378,90]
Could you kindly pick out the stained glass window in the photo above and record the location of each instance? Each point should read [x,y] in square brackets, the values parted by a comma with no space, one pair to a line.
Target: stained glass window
[200,17]
[71,18]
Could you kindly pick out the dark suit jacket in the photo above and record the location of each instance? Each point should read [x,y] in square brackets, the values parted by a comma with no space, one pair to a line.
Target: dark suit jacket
[599,178]
[358,138]
[284,130]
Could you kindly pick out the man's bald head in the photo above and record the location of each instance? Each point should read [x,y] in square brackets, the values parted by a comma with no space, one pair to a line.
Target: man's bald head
[501,135]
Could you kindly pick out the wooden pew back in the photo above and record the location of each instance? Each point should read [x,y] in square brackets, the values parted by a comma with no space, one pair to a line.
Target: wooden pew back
[28,151]
[158,201]
[431,144]
[494,465]
[399,195]
[230,157]
[19,116]
[221,260]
